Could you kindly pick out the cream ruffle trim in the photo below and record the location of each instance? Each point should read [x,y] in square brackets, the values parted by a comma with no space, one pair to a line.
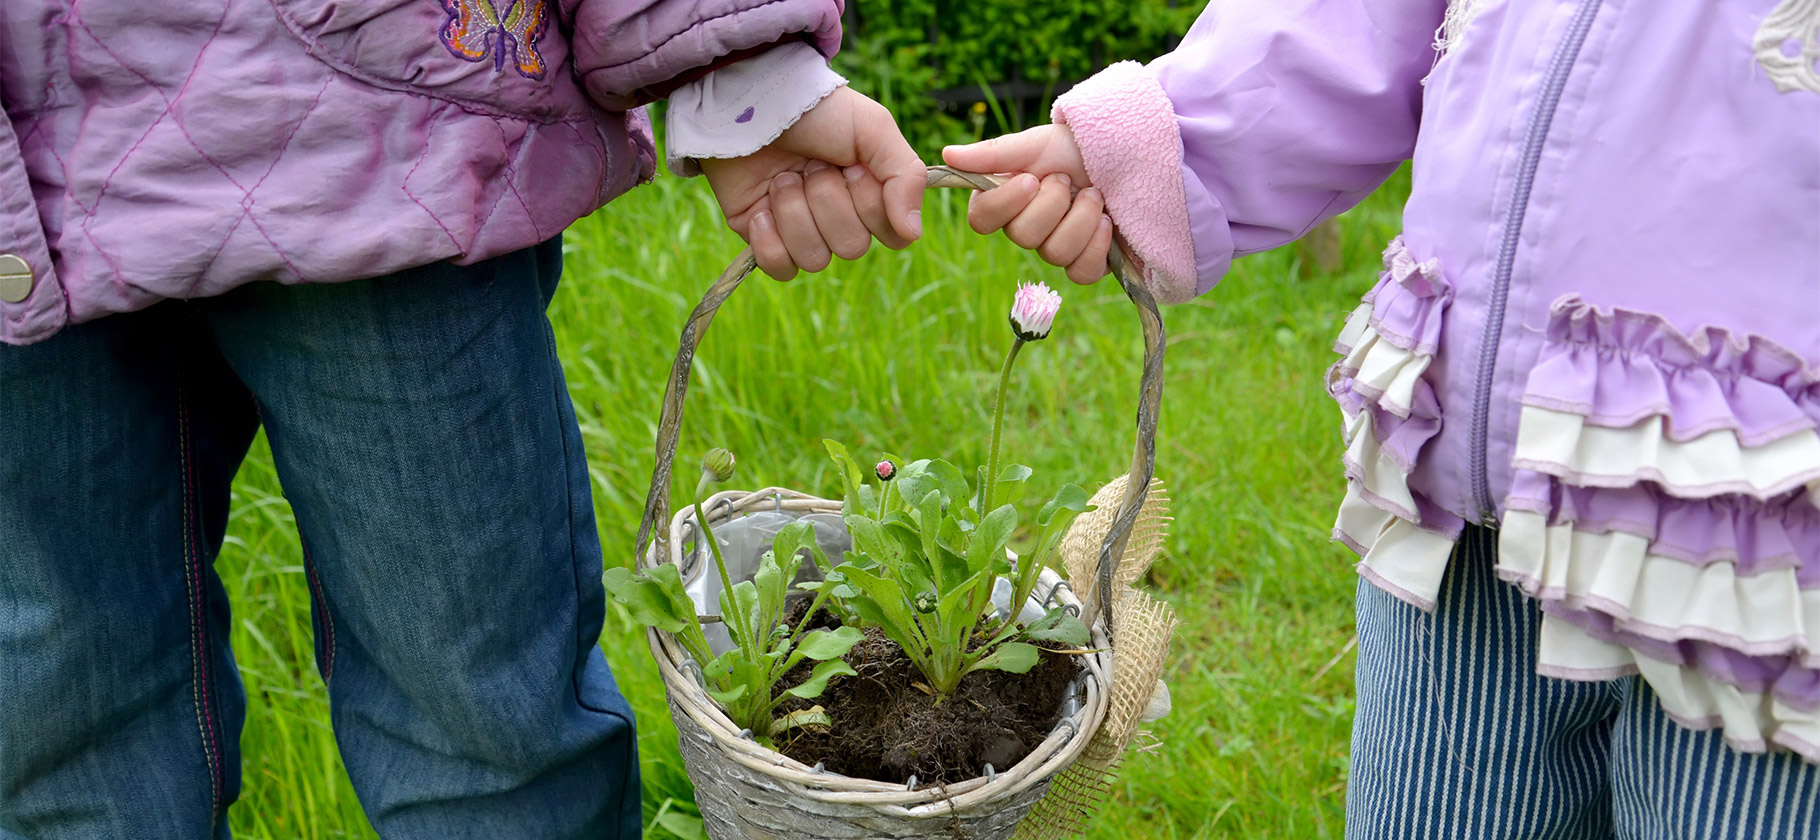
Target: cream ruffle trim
[1377,518]
[1664,598]
[1381,473]
[1564,445]
[1395,554]
[1384,371]
[1751,721]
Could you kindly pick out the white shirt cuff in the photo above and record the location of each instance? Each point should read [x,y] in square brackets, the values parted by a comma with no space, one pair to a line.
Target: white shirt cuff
[739,109]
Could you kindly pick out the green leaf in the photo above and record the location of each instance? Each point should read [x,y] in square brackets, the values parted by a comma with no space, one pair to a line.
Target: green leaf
[948,563]
[929,521]
[729,697]
[771,584]
[881,601]
[1012,657]
[953,485]
[914,481]
[831,644]
[871,539]
[1058,626]
[957,603]
[739,609]
[1011,484]
[1070,498]
[656,598]
[818,678]
[795,541]
[1014,472]
[990,538]
[850,475]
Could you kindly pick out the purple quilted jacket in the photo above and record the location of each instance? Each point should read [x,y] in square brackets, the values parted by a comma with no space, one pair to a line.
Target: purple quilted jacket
[177,149]
[1599,331]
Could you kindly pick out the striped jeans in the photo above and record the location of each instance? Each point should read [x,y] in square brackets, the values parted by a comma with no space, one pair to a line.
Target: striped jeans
[1456,736]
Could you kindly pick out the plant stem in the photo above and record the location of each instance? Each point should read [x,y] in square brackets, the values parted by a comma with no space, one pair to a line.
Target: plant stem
[726,583]
[990,488]
[804,623]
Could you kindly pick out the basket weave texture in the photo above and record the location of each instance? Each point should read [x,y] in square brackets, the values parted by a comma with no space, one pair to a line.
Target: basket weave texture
[747,792]
[737,801]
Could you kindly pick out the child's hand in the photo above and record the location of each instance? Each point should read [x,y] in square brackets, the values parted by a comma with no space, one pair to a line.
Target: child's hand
[1038,209]
[840,176]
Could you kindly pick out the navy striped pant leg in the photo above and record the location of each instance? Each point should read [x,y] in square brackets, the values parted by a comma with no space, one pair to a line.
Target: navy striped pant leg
[1670,782]
[1455,735]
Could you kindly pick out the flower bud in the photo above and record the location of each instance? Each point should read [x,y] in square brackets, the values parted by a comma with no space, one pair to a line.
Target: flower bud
[1033,311]
[718,464]
[885,470]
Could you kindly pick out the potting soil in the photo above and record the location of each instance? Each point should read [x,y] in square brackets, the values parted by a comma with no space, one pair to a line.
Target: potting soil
[888,726]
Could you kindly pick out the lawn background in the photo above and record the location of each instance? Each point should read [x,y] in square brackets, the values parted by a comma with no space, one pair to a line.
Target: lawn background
[898,351]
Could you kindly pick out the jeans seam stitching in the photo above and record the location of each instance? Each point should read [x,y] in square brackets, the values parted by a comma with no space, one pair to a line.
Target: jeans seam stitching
[328,621]
[192,573]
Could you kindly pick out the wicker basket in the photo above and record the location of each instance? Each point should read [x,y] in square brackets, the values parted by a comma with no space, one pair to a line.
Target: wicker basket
[748,792]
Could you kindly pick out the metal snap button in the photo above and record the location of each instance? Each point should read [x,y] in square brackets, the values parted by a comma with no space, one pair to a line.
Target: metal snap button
[15,278]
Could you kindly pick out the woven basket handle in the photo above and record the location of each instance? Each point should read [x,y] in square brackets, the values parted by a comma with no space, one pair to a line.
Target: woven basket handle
[1150,398]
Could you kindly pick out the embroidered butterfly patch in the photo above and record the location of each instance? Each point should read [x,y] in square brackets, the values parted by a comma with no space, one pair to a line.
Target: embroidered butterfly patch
[478,30]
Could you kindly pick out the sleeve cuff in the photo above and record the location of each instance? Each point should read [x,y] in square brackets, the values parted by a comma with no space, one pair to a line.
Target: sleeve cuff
[737,110]
[1126,129]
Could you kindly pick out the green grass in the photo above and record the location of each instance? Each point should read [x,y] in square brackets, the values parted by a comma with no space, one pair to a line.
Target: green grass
[898,351]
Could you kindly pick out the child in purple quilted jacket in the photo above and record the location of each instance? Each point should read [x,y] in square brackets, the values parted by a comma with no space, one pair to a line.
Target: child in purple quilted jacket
[1581,404]
[339,220]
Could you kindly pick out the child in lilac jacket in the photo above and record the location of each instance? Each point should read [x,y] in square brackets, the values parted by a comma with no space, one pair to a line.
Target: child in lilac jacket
[339,221]
[1583,471]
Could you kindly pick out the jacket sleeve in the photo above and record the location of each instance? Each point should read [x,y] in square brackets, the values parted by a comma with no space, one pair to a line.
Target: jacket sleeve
[630,52]
[1271,116]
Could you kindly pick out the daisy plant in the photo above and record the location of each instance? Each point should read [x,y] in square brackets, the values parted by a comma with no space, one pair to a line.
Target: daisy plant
[929,547]
[744,680]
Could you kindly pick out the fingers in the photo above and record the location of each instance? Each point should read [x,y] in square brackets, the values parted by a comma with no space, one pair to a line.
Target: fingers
[888,156]
[836,219]
[993,209]
[1075,230]
[1037,221]
[868,196]
[1090,266]
[796,223]
[768,248]
[1010,153]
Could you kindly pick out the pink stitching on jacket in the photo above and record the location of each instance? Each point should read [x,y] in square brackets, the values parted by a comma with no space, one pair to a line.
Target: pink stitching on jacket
[170,106]
[405,187]
[512,177]
[246,204]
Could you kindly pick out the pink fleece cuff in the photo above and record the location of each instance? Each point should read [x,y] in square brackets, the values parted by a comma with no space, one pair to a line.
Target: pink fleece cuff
[1126,130]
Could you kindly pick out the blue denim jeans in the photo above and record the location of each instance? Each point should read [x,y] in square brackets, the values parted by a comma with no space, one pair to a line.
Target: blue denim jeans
[425,439]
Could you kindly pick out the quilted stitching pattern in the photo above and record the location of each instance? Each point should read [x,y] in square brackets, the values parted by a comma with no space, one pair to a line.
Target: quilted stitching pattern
[170,113]
[169,180]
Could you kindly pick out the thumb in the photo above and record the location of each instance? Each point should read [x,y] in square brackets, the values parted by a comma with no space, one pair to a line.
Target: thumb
[885,153]
[1019,152]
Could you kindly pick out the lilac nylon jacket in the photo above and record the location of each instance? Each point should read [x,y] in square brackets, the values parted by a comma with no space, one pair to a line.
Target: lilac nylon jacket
[1599,331]
[159,150]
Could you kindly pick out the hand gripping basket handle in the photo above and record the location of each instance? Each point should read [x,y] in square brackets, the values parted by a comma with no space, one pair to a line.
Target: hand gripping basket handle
[1150,398]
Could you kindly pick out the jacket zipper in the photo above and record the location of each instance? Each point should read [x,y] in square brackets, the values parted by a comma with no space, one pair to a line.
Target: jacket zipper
[1536,135]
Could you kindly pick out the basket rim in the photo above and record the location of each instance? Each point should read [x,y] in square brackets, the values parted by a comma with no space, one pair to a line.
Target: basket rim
[1050,757]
